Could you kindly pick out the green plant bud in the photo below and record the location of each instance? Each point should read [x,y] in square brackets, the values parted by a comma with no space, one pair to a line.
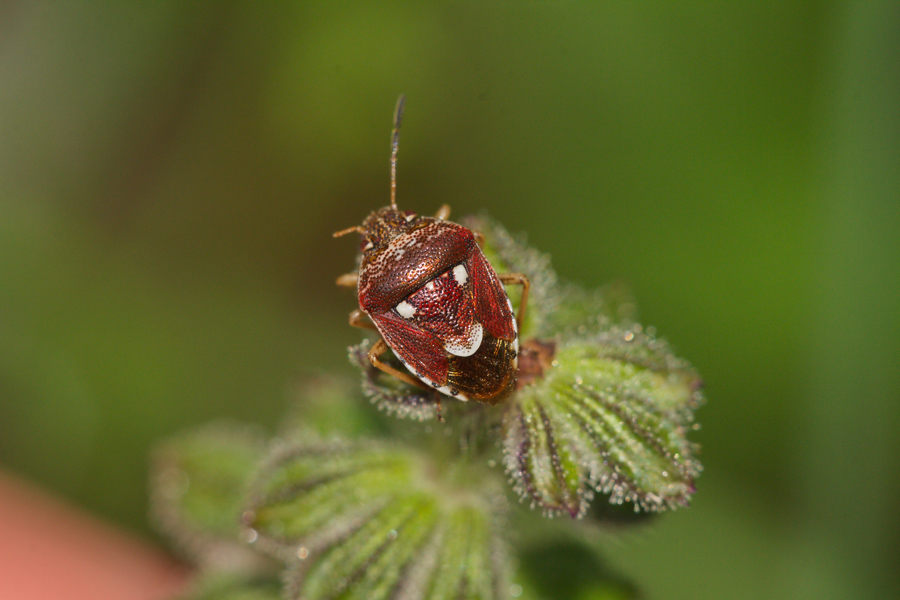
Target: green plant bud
[611,414]
[312,493]
[198,486]
[373,521]
[374,557]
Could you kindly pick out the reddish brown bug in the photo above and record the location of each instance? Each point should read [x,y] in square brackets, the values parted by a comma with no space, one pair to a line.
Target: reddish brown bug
[428,289]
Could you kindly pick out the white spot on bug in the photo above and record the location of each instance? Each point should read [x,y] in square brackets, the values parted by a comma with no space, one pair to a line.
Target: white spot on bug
[515,349]
[470,345]
[406,310]
[399,253]
[460,275]
[457,395]
[446,391]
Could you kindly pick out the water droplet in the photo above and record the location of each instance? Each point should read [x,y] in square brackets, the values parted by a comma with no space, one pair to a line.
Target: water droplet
[515,590]
[392,534]
[629,335]
[492,463]
[302,552]
[250,536]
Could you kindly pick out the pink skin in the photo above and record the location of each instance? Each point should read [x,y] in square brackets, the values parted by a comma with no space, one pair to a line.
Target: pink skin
[49,549]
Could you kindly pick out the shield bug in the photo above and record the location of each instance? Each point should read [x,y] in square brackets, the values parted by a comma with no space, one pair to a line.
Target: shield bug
[425,285]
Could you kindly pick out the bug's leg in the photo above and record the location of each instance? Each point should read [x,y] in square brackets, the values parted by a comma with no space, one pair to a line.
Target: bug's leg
[380,348]
[347,280]
[439,415]
[443,212]
[357,319]
[520,279]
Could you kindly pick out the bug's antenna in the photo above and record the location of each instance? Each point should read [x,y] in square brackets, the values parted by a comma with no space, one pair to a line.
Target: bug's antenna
[356,228]
[395,141]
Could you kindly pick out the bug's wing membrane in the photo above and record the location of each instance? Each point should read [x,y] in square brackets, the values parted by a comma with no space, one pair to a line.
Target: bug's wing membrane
[484,376]
[491,302]
[420,351]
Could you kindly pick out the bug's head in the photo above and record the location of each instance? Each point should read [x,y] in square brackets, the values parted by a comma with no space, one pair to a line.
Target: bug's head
[380,227]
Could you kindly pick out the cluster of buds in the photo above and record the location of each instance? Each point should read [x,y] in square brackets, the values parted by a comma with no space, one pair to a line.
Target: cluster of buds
[354,502]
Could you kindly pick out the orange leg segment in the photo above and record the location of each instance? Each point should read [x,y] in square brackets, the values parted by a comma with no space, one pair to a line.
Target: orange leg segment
[518,279]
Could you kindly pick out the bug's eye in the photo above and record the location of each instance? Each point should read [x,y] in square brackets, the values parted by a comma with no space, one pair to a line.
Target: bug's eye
[366,245]
[409,215]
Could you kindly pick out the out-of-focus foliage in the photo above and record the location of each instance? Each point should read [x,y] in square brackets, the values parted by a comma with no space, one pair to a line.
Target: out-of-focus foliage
[222,586]
[199,485]
[170,174]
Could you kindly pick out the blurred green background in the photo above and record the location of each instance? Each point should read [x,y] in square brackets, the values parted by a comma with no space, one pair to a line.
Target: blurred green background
[171,174]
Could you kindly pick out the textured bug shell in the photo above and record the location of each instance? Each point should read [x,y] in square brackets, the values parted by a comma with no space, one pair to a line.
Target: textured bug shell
[438,304]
